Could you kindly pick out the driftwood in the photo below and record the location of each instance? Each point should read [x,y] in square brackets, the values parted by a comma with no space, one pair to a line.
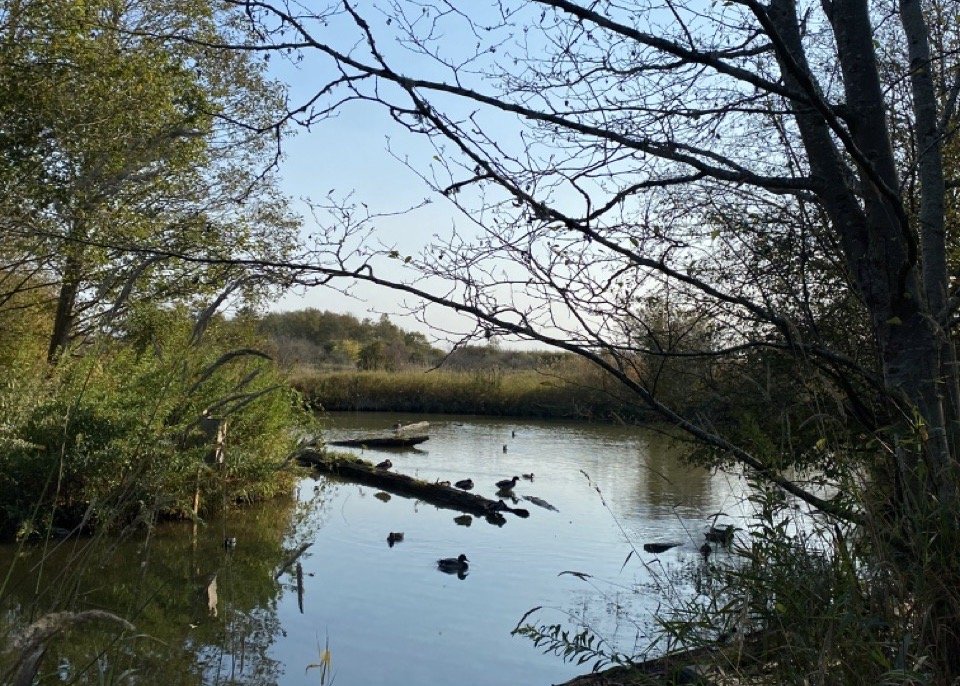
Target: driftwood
[694,666]
[399,437]
[381,442]
[439,495]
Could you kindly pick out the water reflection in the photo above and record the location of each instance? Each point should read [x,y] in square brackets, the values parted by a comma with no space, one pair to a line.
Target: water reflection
[610,488]
[270,610]
[203,600]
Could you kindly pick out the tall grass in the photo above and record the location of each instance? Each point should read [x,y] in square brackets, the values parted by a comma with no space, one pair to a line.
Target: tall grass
[498,393]
[107,438]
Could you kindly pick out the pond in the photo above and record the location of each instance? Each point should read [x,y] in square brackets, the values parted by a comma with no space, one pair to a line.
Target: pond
[387,614]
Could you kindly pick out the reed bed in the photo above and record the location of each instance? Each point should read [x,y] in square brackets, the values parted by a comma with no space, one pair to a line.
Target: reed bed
[497,393]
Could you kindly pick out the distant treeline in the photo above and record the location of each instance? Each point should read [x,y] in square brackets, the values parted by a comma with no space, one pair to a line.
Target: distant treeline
[340,362]
[328,341]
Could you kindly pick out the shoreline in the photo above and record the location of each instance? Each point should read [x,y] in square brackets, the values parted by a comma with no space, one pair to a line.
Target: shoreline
[507,394]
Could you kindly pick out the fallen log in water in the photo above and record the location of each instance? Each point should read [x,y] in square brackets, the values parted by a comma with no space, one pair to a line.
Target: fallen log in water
[702,666]
[440,495]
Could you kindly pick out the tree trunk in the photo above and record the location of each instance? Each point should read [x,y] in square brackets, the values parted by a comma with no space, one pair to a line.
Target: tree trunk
[63,320]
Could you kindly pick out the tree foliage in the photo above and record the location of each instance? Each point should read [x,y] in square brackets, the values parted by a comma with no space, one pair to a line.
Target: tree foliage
[116,142]
[317,338]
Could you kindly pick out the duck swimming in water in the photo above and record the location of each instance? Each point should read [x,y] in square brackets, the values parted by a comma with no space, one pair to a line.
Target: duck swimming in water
[528,477]
[394,537]
[386,464]
[453,565]
[507,484]
[720,534]
[465,484]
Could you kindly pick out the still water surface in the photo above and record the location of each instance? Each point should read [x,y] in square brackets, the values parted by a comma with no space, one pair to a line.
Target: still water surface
[388,615]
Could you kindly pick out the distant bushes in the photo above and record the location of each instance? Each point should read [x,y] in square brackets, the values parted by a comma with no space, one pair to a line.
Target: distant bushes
[342,363]
[341,341]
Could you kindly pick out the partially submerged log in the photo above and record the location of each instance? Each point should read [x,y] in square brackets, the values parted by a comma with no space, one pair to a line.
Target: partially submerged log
[439,495]
[399,437]
[381,442]
[702,666]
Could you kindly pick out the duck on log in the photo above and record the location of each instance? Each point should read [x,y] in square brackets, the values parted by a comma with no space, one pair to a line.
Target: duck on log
[363,472]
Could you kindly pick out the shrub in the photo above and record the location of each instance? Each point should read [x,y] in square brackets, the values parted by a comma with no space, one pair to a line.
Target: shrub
[112,436]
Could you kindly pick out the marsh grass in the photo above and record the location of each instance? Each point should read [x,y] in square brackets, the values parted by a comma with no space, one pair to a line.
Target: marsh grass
[526,393]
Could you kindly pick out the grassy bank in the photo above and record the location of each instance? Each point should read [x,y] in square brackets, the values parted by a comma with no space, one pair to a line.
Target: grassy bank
[497,393]
[128,431]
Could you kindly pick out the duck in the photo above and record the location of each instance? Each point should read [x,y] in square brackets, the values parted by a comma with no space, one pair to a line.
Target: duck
[528,477]
[386,464]
[453,565]
[504,447]
[463,520]
[507,484]
[230,543]
[394,537]
[720,534]
[658,547]
[495,518]
[465,484]
[445,484]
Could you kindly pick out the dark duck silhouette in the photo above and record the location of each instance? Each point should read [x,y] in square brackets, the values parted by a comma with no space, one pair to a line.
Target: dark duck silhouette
[507,484]
[465,484]
[528,477]
[394,537]
[659,547]
[720,534]
[453,565]
[386,464]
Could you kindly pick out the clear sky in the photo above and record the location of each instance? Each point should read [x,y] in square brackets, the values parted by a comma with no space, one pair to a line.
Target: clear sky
[348,154]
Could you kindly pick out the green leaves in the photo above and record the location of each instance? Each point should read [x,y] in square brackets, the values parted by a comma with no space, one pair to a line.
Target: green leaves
[117,145]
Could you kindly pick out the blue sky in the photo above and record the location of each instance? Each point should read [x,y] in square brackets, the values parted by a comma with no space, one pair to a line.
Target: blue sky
[348,154]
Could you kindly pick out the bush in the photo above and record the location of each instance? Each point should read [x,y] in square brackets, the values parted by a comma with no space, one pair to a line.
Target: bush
[108,438]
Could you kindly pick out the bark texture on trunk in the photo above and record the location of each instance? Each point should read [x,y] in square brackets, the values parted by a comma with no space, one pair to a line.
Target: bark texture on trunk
[63,319]
[897,263]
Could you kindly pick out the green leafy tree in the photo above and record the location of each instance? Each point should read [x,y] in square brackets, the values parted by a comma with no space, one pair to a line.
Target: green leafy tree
[122,153]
